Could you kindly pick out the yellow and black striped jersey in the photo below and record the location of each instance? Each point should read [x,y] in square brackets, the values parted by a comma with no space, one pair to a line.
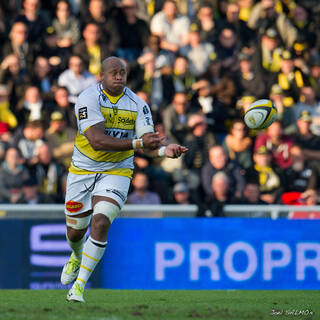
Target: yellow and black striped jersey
[126,117]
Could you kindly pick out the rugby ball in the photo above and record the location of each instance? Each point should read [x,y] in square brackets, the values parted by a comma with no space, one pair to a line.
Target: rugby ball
[261,114]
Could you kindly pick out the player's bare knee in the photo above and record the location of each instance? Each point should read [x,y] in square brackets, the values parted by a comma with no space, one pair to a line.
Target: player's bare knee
[75,235]
[100,223]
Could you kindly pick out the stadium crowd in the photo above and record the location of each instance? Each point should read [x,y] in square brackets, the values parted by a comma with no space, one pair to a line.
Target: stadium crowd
[199,65]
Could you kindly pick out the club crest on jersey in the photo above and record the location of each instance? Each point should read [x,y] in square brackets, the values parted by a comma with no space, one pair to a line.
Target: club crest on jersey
[83,113]
[115,110]
[74,206]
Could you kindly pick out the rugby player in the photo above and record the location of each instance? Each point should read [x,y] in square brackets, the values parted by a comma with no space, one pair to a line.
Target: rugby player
[112,122]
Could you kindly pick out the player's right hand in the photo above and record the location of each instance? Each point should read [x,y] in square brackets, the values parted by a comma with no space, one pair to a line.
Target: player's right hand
[151,140]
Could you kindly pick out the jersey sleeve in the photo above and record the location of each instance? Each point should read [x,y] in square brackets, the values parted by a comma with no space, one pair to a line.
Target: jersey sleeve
[87,111]
[144,123]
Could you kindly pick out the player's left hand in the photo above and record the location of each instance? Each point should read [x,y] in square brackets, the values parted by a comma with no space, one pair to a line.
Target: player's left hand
[174,151]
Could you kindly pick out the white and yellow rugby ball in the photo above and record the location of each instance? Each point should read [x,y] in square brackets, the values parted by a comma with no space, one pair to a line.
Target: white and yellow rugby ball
[261,114]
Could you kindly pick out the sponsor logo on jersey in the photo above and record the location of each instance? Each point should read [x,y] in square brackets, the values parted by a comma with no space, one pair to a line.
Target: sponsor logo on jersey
[74,206]
[126,121]
[116,134]
[83,113]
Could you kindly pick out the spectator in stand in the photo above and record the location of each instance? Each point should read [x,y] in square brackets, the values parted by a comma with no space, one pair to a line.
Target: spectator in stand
[30,141]
[277,144]
[161,56]
[290,79]
[227,48]
[223,87]
[264,16]
[304,24]
[208,26]
[19,45]
[302,175]
[220,196]
[269,179]
[12,173]
[32,107]
[314,77]
[62,104]
[57,56]
[14,78]
[238,144]
[97,14]
[181,194]
[141,193]
[301,54]
[35,21]
[43,78]
[60,139]
[248,80]
[308,102]
[267,57]
[245,35]
[308,198]
[66,25]
[183,78]
[252,196]
[6,116]
[92,49]
[215,111]
[175,118]
[198,141]
[219,162]
[133,32]
[156,80]
[76,78]
[49,174]
[171,27]
[158,178]
[31,195]
[5,139]
[197,52]
[303,137]
[284,108]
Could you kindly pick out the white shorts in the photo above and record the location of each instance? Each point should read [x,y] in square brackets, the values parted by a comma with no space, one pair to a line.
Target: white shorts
[82,187]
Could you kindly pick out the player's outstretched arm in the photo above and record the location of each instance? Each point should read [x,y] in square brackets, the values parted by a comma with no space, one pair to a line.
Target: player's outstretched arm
[102,142]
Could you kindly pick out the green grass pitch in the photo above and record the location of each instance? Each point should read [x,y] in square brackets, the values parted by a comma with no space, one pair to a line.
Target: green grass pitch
[158,305]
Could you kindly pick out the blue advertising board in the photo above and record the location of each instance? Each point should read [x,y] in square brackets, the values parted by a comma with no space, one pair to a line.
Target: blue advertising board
[170,253]
[220,253]
[32,254]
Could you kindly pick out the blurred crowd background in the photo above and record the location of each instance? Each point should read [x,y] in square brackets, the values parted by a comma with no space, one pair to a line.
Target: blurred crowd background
[199,65]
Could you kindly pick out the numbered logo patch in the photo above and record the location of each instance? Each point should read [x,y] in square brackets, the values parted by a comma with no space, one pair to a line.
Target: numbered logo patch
[145,110]
[83,113]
